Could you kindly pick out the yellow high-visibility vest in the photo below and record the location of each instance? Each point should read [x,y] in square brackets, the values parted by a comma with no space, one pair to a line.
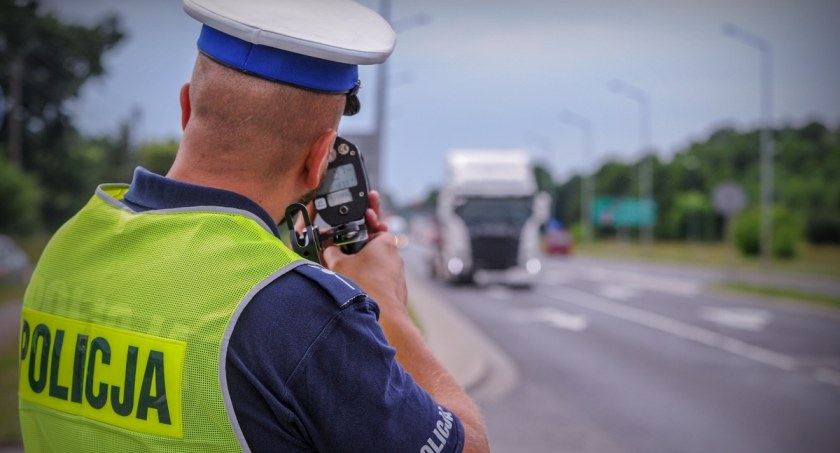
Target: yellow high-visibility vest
[125,327]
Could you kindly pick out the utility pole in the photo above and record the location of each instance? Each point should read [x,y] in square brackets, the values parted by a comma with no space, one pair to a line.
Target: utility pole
[766,160]
[374,164]
[375,149]
[645,166]
[586,188]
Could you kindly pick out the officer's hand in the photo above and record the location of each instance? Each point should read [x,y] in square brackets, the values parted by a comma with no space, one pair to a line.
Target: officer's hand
[373,215]
[379,269]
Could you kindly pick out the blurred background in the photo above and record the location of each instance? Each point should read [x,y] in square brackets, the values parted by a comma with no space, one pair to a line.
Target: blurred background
[663,274]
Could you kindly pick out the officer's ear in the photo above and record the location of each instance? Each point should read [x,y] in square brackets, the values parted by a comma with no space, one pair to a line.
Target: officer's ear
[186,107]
[318,157]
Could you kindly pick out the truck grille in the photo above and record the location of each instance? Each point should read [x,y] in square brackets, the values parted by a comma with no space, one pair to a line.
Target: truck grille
[494,252]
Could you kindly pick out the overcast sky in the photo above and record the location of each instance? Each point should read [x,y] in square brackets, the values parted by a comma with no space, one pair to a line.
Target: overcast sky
[498,74]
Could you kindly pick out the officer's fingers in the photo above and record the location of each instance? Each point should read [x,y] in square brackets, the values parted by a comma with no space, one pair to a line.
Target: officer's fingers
[332,256]
[373,223]
[374,202]
[383,241]
[374,214]
[378,243]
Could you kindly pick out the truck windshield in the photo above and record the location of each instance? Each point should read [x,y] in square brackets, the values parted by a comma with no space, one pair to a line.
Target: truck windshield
[515,210]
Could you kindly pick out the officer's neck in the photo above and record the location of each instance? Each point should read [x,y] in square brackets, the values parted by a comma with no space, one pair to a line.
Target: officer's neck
[231,170]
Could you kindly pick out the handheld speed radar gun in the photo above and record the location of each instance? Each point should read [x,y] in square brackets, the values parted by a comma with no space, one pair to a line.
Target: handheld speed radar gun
[340,201]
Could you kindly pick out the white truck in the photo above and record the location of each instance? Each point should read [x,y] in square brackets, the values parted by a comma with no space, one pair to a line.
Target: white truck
[489,214]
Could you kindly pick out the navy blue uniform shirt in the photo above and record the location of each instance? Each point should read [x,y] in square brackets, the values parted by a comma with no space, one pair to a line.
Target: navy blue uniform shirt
[308,367]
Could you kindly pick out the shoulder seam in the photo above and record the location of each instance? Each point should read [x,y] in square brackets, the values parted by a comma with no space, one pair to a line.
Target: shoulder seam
[328,327]
[356,289]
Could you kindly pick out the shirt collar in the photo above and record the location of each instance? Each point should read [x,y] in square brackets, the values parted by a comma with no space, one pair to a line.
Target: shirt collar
[150,191]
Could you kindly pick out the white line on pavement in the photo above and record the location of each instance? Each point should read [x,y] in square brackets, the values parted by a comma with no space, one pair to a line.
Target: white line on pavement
[636,280]
[737,318]
[554,317]
[617,292]
[498,292]
[828,376]
[673,327]
[554,278]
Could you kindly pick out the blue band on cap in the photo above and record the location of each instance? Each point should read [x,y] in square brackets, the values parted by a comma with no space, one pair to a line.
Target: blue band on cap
[276,64]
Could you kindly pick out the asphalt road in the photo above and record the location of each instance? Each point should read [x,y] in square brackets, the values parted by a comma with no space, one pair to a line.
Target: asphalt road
[613,358]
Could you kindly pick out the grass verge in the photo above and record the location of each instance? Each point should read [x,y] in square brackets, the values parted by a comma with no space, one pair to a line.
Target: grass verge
[783,293]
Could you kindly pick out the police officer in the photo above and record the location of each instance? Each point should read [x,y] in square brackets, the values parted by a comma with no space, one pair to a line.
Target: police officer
[168,316]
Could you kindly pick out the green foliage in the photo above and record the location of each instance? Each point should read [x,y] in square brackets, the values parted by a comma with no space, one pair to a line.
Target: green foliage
[690,217]
[545,182]
[806,165]
[577,233]
[787,233]
[823,227]
[20,209]
[786,237]
[747,230]
[86,163]
[158,157]
[431,201]
[784,293]
[566,201]
[56,59]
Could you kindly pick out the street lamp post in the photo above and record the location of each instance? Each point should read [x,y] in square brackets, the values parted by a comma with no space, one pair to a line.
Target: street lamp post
[645,167]
[545,145]
[383,85]
[766,165]
[586,189]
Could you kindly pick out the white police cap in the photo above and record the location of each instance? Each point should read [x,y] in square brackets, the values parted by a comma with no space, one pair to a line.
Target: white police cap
[313,44]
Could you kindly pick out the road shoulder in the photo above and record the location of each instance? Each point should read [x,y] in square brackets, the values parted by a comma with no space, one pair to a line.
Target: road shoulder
[480,366]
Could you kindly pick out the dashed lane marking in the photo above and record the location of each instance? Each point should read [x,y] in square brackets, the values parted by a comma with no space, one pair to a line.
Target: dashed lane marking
[674,327]
[828,376]
[554,317]
[737,318]
[635,280]
[617,292]
[498,292]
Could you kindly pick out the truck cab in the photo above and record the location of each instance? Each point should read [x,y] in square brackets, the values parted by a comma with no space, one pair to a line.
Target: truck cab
[489,215]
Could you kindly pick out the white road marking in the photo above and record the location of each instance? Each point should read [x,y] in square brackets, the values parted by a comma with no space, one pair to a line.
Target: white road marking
[561,319]
[555,278]
[827,376]
[674,327]
[498,292]
[637,280]
[737,318]
[554,317]
[617,292]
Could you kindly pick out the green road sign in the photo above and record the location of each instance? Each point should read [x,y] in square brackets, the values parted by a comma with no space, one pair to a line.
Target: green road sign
[624,212]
